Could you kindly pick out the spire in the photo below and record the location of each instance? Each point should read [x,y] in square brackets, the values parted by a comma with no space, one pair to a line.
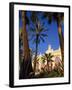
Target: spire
[49,47]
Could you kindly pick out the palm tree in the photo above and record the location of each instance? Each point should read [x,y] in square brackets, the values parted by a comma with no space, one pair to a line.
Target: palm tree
[59,18]
[38,34]
[26,66]
[43,59]
[38,37]
[48,57]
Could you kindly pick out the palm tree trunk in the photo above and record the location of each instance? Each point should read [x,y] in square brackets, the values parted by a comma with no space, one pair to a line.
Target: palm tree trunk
[27,67]
[36,54]
[26,50]
[47,65]
[51,66]
[61,39]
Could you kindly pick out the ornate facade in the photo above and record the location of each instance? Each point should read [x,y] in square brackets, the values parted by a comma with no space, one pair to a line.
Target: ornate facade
[57,58]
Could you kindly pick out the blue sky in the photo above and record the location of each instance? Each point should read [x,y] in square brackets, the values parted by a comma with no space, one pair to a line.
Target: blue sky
[52,32]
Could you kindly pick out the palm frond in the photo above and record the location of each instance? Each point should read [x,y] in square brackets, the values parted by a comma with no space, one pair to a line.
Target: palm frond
[51,56]
[34,17]
[34,40]
[43,29]
[42,57]
[42,39]
[51,60]
[44,35]
[48,16]
[32,29]
[46,55]
[31,37]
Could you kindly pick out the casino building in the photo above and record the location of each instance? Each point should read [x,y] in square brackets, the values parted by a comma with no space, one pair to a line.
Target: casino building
[56,58]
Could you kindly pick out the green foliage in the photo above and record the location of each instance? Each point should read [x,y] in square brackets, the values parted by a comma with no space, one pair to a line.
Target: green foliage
[48,57]
[43,59]
[53,73]
[38,32]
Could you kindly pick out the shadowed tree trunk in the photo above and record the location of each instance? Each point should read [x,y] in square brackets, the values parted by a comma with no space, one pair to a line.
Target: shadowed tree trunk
[59,19]
[47,65]
[61,40]
[26,65]
[51,66]
[36,53]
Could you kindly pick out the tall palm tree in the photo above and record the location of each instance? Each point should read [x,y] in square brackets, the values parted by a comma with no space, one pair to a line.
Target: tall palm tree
[26,66]
[48,57]
[38,34]
[59,18]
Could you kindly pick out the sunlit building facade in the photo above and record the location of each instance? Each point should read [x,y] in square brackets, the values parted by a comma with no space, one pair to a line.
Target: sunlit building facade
[57,58]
